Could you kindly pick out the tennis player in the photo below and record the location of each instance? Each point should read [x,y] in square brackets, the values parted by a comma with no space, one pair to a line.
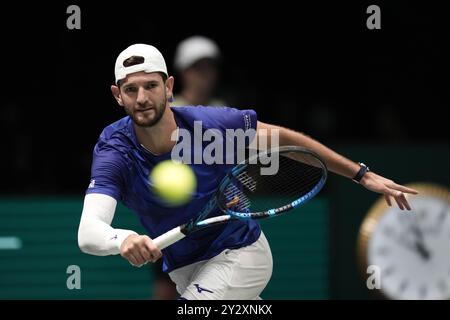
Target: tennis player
[231,261]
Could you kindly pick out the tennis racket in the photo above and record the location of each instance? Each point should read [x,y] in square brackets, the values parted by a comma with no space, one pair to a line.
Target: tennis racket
[248,192]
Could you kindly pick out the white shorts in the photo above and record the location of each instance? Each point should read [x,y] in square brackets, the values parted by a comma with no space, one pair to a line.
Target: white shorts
[234,274]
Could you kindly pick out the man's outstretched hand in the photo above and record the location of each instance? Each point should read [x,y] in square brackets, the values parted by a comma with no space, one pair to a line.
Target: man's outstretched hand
[139,250]
[389,188]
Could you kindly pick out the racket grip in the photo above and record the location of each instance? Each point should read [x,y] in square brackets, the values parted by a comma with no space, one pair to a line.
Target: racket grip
[168,238]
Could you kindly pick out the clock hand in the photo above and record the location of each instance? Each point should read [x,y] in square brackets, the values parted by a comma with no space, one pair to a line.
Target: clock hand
[420,241]
[417,231]
[417,244]
[422,250]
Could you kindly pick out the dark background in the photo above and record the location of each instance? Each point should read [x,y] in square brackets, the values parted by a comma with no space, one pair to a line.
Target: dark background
[380,96]
[313,68]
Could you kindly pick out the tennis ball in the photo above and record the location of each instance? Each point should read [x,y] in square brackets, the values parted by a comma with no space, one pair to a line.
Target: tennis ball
[174,182]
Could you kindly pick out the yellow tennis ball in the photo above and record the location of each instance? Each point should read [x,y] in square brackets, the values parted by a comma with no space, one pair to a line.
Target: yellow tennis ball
[174,182]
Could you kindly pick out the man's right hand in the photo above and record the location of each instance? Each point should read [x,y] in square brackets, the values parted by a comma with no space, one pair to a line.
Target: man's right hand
[139,250]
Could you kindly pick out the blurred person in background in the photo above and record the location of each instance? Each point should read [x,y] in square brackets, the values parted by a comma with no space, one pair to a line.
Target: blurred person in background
[197,62]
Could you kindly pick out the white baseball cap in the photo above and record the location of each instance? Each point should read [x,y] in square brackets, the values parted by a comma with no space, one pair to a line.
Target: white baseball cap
[193,49]
[153,61]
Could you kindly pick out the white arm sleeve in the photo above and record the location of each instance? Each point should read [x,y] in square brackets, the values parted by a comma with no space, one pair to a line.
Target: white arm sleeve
[95,234]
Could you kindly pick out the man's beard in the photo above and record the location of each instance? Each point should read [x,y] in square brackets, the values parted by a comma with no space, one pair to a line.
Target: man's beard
[149,122]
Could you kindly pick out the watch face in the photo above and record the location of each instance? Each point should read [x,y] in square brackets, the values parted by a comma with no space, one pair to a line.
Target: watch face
[410,248]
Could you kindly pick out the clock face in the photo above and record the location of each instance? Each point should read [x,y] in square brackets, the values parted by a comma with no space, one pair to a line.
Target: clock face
[412,248]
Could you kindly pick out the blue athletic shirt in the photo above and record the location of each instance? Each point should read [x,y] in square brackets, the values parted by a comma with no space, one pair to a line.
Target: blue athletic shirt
[121,168]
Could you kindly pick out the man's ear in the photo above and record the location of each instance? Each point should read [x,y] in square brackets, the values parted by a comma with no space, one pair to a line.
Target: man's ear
[169,88]
[116,93]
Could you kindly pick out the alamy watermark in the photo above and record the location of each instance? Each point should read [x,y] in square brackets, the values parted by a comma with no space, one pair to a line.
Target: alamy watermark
[374,20]
[211,146]
[374,279]
[74,280]
[74,19]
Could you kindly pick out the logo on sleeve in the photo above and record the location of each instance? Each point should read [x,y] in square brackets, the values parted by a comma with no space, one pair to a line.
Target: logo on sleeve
[247,122]
[91,184]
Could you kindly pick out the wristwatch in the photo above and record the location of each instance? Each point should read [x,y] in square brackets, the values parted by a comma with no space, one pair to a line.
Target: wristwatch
[362,171]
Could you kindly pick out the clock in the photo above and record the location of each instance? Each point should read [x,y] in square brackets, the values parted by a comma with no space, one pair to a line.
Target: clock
[410,249]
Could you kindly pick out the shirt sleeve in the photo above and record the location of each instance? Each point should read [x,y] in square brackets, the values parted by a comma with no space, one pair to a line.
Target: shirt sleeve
[231,118]
[95,234]
[218,117]
[235,119]
[107,172]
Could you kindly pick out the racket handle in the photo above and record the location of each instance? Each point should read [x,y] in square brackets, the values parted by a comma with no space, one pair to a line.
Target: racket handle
[168,238]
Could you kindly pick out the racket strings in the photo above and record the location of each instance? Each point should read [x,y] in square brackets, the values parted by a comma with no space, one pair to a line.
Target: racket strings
[285,191]
[233,193]
[248,181]
[309,177]
[289,172]
[295,181]
[296,177]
